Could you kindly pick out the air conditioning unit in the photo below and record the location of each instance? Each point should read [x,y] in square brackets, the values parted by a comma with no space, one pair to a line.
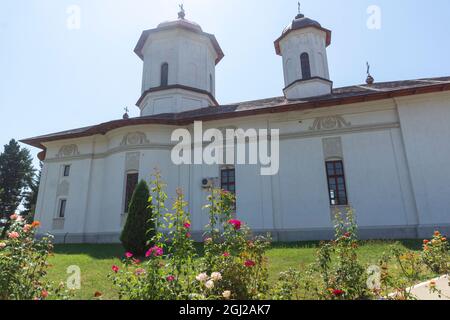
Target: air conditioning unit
[208,183]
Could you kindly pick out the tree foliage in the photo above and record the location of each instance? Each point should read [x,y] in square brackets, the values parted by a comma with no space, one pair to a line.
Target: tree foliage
[16,175]
[30,196]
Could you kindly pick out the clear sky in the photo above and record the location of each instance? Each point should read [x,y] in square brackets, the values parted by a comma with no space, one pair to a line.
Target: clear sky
[55,78]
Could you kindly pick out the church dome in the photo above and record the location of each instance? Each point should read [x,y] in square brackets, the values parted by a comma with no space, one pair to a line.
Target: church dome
[302,22]
[182,23]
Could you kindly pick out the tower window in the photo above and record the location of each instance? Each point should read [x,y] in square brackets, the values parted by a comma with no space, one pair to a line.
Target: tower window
[336,183]
[131,183]
[66,172]
[211,83]
[62,208]
[306,68]
[164,74]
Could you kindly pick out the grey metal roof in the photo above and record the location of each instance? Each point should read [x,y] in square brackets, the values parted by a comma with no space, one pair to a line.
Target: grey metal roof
[350,94]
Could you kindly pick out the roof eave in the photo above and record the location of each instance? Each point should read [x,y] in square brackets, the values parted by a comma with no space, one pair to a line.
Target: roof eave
[294,106]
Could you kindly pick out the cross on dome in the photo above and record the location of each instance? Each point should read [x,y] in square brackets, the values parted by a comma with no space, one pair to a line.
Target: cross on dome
[182,13]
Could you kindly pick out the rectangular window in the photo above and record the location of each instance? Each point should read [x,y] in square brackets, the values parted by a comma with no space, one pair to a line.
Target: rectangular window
[62,208]
[336,183]
[66,171]
[131,183]
[228,180]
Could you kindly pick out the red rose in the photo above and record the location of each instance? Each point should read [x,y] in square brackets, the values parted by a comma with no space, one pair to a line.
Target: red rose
[115,269]
[236,223]
[250,263]
[338,292]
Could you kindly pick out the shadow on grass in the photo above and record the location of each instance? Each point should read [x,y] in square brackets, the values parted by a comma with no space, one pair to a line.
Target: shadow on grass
[109,251]
[97,251]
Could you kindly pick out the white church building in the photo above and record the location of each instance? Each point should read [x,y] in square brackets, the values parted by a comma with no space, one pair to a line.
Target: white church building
[381,148]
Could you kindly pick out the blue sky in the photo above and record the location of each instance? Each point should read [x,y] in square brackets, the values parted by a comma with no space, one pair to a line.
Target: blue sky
[53,78]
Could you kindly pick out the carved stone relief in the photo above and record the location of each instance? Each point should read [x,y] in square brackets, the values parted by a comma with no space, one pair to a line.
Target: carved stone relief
[134,138]
[68,151]
[329,123]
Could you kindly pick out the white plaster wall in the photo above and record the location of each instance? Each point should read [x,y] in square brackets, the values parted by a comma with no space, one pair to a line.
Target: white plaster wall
[311,41]
[191,58]
[396,176]
[426,133]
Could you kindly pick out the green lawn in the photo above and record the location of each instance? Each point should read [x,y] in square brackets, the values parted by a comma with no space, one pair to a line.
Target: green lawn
[95,262]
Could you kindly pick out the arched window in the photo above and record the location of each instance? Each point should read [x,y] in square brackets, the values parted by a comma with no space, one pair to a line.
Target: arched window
[164,74]
[211,84]
[306,68]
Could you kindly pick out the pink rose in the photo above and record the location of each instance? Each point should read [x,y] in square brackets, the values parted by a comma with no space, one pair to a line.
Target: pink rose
[154,251]
[170,278]
[128,255]
[14,216]
[226,254]
[13,235]
[187,225]
[139,271]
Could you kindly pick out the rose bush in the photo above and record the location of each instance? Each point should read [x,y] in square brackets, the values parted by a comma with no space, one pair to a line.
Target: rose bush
[233,266]
[24,263]
[168,271]
[435,254]
[234,263]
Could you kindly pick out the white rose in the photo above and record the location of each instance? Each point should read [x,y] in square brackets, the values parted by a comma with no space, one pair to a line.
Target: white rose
[209,284]
[202,277]
[227,294]
[216,276]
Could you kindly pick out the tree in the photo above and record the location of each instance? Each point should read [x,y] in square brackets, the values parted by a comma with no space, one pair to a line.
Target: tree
[30,196]
[16,175]
[135,234]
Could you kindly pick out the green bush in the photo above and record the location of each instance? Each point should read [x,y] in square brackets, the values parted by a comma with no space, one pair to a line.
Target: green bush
[24,264]
[135,234]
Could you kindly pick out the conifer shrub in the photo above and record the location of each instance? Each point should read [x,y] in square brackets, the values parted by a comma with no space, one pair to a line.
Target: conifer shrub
[139,225]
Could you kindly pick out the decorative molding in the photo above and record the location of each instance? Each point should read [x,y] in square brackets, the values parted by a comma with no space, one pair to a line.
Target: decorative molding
[332,148]
[134,139]
[63,189]
[132,161]
[284,136]
[70,150]
[329,123]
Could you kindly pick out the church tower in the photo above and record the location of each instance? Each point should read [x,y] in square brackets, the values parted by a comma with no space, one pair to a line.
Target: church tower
[179,67]
[303,46]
